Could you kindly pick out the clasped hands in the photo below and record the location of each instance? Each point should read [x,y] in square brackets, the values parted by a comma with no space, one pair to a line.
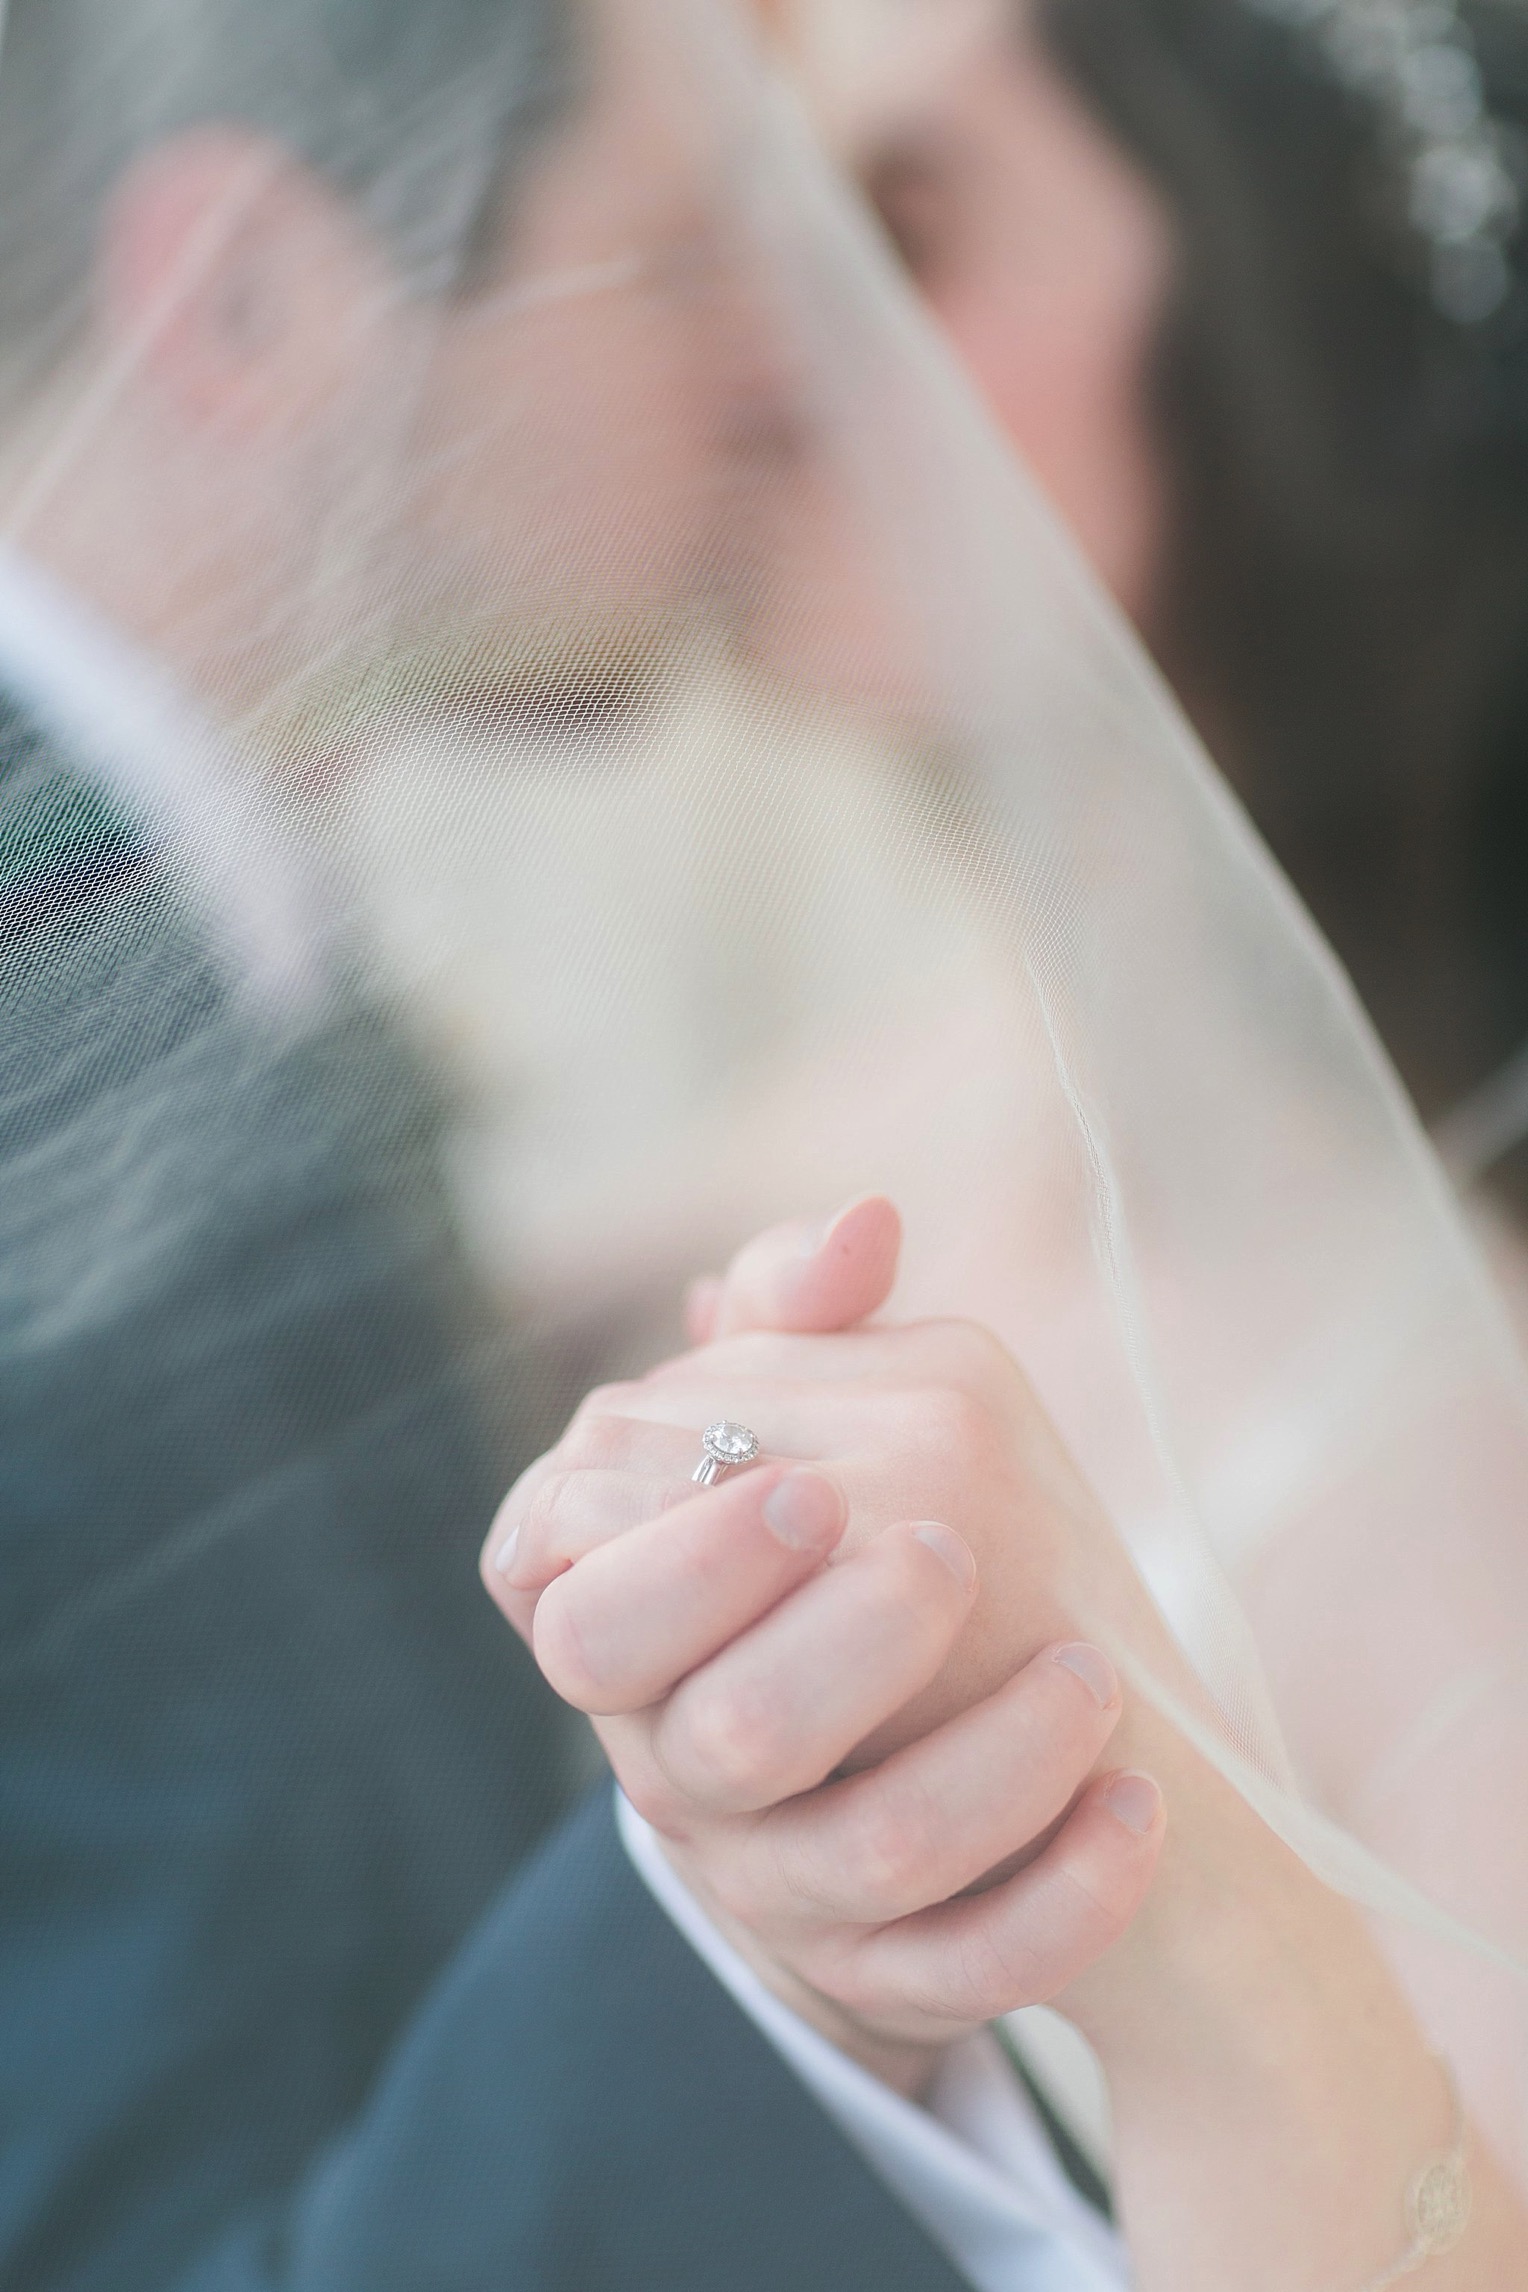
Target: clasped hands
[851,1690]
[845,1686]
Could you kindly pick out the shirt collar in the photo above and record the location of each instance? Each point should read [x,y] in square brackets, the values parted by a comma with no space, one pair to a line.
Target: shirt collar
[119,715]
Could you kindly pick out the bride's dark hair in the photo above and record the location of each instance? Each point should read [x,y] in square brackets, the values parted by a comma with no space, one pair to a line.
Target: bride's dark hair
[1346,602]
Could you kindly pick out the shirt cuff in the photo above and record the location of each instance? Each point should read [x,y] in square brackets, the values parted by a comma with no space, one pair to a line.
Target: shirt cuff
[976,2166]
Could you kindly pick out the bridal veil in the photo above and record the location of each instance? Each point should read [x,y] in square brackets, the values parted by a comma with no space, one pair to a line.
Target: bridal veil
[667,705]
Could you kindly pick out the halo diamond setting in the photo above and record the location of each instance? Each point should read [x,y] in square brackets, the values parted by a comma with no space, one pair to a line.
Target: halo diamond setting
[724,1445]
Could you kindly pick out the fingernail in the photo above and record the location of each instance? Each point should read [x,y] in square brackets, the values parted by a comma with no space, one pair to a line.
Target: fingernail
[1093,1668]
[1133,1800]
[818,1237]
[805,1512]
[950,1548]
[504,1558]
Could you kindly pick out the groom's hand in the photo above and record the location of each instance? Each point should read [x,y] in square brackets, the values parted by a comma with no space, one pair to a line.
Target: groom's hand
[734,1672]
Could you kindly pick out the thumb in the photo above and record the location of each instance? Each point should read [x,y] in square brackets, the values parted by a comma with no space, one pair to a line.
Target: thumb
[806,1277]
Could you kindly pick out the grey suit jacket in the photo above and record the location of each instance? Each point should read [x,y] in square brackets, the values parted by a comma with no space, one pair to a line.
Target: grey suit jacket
[265,1751]
[279,2009]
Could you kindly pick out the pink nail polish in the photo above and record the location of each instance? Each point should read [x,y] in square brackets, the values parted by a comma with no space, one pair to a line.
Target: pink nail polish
[950,1548]
[1133,1800]
[805,1512]
[1093,1668]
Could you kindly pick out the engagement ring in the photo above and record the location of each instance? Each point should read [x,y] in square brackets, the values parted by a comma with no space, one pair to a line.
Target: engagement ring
[725,1445]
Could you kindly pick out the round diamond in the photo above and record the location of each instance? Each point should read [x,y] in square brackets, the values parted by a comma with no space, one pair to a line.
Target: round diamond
[727,1443]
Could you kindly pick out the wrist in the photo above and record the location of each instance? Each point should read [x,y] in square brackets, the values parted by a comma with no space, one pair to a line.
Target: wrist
[1249,2015]
[1248,1995]
[1234,1941]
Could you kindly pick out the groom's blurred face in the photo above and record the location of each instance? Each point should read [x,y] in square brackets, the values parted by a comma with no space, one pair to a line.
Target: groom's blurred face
[538,464]
[604,410]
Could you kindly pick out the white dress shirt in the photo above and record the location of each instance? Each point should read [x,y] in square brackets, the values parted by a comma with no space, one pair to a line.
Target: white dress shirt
[975,2167]
[115,712]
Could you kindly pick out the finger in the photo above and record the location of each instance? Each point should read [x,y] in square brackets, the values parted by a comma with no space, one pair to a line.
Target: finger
[933,1819]
[637,1465]
[570,1514]
[1020,1943]
[654,1456]
[658,1427]
[813,1278]
[788,1701]
[658,1448]
[702,1302]
[618,1631]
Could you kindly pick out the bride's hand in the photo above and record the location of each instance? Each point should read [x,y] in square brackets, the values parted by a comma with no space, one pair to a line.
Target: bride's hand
[1272,2095]
[734,1673]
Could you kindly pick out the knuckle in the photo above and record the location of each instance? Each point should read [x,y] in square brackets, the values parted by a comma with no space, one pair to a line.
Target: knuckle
[522,1494]
[597,1441]
[964,1358]
[851,1978]
[886,1851]
[974,1350]
[842,1978]
[808,1883]
[654,1798]
[560,1653]
[725,1745]
[733,1886]
[996,1971]
[538,1552]
[604,1415]
[967,1354]
[953,1424]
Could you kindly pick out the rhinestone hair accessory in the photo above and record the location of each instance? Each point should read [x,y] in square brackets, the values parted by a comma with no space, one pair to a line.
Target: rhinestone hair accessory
[1414,61]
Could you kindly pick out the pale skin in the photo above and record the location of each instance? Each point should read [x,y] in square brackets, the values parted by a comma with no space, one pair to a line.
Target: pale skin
[253,379]
[1044,253]
[846,1691]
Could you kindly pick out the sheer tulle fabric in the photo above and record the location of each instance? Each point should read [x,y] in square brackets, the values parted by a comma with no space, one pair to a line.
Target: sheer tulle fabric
[691,728]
